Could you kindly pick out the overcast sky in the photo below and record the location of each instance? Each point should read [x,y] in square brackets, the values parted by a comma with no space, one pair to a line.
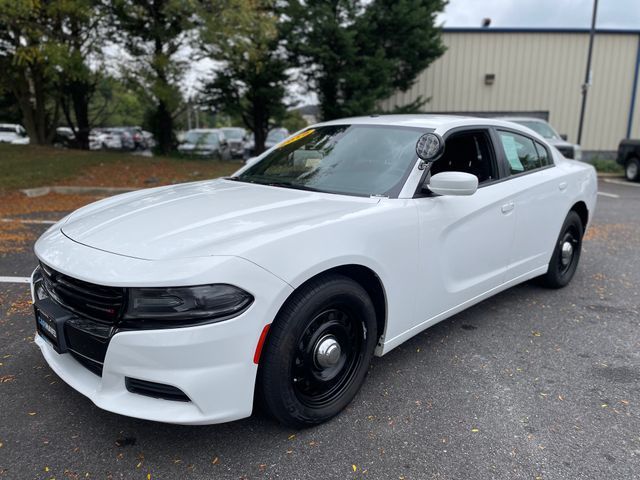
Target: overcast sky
[621,14]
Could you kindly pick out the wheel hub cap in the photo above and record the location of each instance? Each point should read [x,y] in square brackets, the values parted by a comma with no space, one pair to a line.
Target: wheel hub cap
[567,253]
[632,171]
[327,352]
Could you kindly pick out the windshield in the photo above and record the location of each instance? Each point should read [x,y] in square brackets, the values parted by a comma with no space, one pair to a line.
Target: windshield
[541,128]
[201,138]
[349,159]
[233,133]
[276,136]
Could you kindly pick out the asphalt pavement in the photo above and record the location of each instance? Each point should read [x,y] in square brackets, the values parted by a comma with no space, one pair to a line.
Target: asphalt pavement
[532,383]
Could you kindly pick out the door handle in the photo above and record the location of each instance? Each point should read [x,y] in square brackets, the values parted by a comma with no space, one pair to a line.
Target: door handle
[507,207]
[562,186]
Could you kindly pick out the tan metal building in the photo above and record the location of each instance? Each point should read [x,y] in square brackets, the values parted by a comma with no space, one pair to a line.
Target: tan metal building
[498,71]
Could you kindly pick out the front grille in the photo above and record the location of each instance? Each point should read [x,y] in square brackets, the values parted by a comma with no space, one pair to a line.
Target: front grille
[93,301]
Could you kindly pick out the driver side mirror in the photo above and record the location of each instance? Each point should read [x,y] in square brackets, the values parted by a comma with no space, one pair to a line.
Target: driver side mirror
[564,136]
[453,183]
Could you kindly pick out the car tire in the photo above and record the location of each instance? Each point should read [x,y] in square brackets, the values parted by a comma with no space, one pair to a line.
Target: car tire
[566,254]
[632,170]
[317,352]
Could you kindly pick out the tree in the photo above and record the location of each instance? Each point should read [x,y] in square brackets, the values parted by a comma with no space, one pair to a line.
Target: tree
[28,70]
[45,49]
[80,33]
[355,53]
[153,32]
[251,80]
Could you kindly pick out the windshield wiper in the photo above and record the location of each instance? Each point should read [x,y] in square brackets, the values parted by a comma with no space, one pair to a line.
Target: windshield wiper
[283,184]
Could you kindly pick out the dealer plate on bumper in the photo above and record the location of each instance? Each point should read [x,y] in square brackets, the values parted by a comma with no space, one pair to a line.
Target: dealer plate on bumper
[46,327]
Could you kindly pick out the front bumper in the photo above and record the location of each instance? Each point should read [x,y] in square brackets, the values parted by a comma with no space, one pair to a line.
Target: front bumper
[211,364]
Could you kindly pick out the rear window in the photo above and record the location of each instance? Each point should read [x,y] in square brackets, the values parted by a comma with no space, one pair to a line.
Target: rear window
[522,153]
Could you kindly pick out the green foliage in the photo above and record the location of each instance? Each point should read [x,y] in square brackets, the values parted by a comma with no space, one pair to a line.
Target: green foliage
[117,103]
[604,165]
[293,121]
[251,84]
[153,32]
[355,53]
[44,50]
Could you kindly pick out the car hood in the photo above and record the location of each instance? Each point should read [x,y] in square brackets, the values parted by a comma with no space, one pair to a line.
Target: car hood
[217,217]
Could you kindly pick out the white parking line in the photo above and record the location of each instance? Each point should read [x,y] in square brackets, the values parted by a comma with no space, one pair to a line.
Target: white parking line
[15,279]
[27,220]
[610,195]
[621,182]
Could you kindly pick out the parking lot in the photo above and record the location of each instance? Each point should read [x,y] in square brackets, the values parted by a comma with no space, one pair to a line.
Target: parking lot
[530,384]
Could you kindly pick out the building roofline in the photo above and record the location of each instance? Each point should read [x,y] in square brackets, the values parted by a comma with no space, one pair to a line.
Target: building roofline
[609,31]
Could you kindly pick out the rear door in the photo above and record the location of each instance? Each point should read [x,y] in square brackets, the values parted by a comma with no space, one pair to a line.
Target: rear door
[538,188]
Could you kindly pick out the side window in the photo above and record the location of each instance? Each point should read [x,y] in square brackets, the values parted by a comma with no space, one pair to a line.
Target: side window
[521,153]
[469,152]
[543,154]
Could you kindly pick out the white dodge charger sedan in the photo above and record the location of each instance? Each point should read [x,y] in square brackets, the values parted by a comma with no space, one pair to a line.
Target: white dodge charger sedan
[182,303]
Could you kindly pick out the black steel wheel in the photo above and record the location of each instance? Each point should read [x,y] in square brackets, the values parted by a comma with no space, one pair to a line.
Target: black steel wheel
[318,351]
[566,254]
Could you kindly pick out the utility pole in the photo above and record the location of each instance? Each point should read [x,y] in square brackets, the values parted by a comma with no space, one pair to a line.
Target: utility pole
[587,75]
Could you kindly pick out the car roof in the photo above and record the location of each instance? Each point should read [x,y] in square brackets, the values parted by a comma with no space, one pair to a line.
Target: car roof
[204,130]
[523,119]
[420,120]
[10,125]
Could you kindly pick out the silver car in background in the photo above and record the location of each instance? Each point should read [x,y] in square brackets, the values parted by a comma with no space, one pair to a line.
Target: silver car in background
[541,127]
[13,133]
[205,142]
[236,136]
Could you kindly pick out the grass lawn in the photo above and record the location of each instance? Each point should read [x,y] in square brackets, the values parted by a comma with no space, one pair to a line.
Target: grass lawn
[26,166]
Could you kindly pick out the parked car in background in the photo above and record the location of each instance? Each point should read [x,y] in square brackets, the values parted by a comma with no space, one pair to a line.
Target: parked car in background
[137,137]
[64,138]
[109,139]
[277,285]
[236,136]
[13,133]
[629,158]
[95,139]
[568,149]
[206,142]
[275,136]
[148,137]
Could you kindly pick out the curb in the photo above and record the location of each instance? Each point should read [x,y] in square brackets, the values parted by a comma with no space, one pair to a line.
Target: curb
[69,190]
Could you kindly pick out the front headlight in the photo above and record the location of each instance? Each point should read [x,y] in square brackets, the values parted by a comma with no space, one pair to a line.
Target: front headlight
[183,306]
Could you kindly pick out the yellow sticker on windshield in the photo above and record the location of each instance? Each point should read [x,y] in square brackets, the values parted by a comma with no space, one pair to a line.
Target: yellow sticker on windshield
[295,138]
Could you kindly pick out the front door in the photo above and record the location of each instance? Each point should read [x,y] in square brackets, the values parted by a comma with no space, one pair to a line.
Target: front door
[465,241]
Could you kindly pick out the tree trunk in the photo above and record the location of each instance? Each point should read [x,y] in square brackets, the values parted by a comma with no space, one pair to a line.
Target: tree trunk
[261,126]
[164,128]
[80,96]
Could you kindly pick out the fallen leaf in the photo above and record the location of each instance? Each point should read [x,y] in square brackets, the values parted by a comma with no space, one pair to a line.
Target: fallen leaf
[475,430]
[536,334]
[215,461]
[32,414]
[291,437]
[354,468]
